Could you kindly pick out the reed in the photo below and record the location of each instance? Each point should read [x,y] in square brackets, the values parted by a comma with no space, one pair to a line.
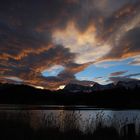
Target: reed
[63,126]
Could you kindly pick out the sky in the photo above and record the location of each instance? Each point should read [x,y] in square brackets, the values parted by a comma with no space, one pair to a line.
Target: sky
[51,43]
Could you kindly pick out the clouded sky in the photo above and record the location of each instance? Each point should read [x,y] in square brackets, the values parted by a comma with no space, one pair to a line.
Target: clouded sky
[50,43]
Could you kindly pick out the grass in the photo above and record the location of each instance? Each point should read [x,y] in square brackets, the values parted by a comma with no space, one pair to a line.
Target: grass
[65,126]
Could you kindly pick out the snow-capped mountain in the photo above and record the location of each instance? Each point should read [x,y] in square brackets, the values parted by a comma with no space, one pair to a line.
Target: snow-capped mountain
[128,85]
[98,87]
[77,88]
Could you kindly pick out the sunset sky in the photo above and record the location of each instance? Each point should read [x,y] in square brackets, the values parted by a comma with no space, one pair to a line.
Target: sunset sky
[50,43]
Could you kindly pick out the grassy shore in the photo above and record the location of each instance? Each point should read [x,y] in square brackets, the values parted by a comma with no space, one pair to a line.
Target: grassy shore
[18,126]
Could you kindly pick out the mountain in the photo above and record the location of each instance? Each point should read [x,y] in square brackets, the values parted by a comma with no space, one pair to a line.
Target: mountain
[73,88]
[88,89]
[77,88]
[128,85]
[98,87]
[121,95]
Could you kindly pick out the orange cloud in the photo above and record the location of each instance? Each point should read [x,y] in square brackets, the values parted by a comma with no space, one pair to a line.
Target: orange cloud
[70,33]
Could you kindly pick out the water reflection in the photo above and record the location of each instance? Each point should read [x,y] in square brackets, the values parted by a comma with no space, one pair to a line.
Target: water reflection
[82,114]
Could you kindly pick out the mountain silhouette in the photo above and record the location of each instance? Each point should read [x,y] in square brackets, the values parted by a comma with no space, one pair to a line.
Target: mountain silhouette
[121,95]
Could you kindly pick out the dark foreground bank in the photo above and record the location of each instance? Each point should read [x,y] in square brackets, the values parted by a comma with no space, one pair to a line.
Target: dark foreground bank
[18,127]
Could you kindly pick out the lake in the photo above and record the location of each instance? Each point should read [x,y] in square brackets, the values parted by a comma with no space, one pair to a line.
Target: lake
[60,115]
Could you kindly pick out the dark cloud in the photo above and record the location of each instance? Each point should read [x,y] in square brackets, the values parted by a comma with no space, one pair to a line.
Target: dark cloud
[111,24]
[124,78]
[117,79]
[128,45]
[26,27]
[132,75]
[37,62]
[118,73]
[23,43]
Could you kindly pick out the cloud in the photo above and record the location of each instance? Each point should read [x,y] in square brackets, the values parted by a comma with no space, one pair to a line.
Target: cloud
[129,77]
[30,67]
[118,73]
[101,80]
[117,79]
[53,71]
[135,61]
[38,35]
[84,44]
[128,46]
[16,79]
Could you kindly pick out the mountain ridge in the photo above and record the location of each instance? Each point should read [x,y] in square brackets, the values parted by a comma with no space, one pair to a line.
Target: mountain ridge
[74,87]
[98,87]
[121,95]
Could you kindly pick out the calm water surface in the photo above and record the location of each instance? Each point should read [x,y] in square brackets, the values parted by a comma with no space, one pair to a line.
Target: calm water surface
[84,114]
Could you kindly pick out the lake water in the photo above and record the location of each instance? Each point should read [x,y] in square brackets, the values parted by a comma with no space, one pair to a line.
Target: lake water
[58,115]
